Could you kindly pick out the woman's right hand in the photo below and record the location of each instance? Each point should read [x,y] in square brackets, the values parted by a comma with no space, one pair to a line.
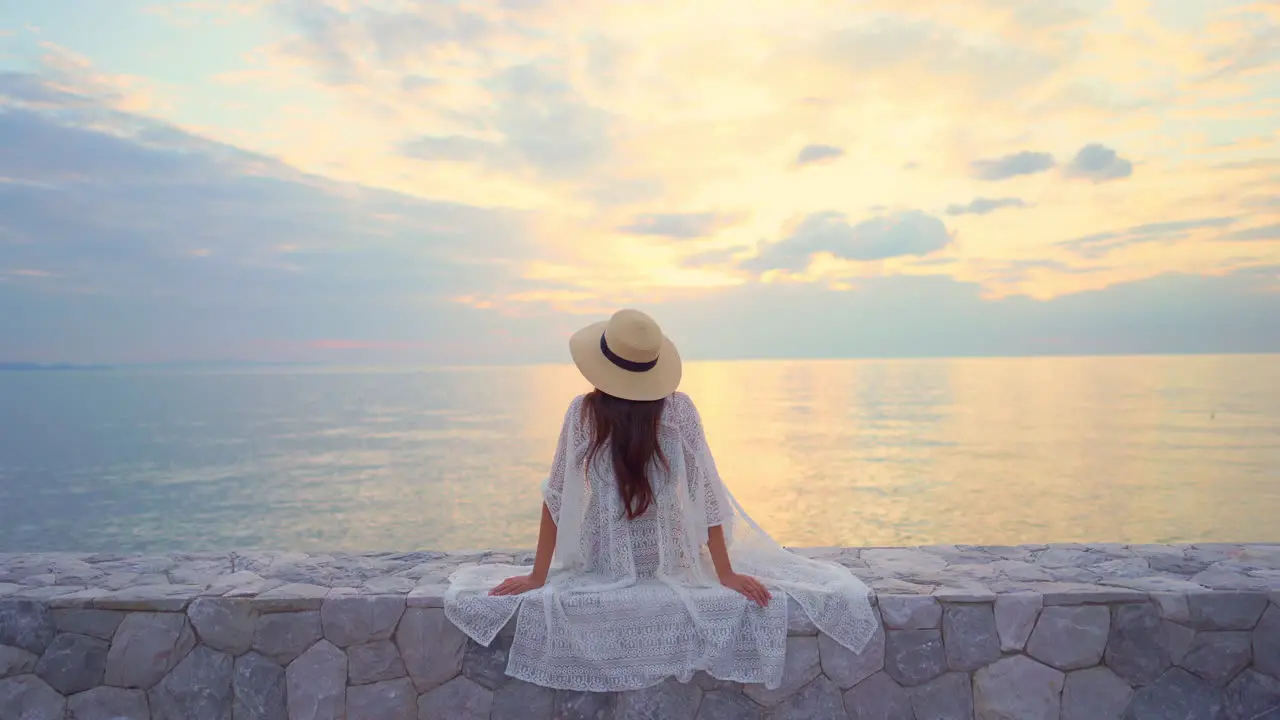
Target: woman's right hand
[748,586]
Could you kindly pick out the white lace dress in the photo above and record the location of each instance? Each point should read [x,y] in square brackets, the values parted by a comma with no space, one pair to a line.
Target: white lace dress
[629,603]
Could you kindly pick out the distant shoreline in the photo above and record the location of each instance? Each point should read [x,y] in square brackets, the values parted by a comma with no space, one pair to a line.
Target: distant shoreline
[50,367]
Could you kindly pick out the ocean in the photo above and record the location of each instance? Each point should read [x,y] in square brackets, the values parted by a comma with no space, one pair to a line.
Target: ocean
[819,452]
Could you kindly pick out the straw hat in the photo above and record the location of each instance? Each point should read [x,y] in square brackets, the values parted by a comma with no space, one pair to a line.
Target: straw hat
[627,356]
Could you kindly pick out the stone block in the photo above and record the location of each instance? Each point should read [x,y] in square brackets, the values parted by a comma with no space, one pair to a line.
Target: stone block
[27,697]
[199,688]
[226,625]
[146,647]
[1176,694]
[847,668]
[352,620]
[1061,557]
[1223,577]
[1070,637]
[1226,610]
[1217,657]
[914,657]
[668,699]
[257,688]
[709,683]
[1136,646]
[720,705]
[388,585]
[316,684]
[573,705]
[819,700]
[26,624]
[798,621]
[386,700]
[1016,615]
[1021,571]
[101,624]
[1017,687]
[948,697]
[902,561]
[293,597]
[149,598]
[73,663]
[252,589]
[910,612]
[1177,640]
[1253,696]
[520,700]
[108,703]
[802,666]
[897,587]
[878,698]
[374,662]
[16,661]
[458,698]
[233,582]
[970,637]
[487,665]
[1266,643]
[427,596]
[431,647]
[1095,694]
[284,636]
[1073,593]
[50,593]
[1172,606]
[970,592]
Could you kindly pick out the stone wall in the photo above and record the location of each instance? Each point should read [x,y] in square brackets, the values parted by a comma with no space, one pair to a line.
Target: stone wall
[1037,632]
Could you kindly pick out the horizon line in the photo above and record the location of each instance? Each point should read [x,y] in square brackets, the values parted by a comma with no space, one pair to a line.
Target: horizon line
[37,366]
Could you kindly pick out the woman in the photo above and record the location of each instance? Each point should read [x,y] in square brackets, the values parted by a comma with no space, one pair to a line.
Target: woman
[646,567]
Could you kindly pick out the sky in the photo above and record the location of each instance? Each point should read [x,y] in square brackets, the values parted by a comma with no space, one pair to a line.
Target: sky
[470,181]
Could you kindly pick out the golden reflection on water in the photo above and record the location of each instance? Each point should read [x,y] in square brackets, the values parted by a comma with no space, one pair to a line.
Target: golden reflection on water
[836,452]
[989,450]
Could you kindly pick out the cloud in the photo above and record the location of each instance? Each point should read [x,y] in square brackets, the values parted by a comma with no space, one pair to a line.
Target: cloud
[346,46]
[1098,163]
[811,154]
[678,225]
[149,239]
[939,60]
[1262,232]
[934,315]
[1019,163]
[1100,244]
[1014,272]
[982,206]
[910,232]
[713,258]
[540,122]
[452,148]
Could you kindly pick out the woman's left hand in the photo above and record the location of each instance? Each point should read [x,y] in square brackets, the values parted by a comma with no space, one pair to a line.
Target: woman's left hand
[518,585]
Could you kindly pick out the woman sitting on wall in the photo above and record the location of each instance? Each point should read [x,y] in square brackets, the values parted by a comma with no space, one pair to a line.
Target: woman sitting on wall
[647,567]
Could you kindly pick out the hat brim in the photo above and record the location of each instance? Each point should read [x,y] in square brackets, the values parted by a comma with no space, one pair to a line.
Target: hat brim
[654,384]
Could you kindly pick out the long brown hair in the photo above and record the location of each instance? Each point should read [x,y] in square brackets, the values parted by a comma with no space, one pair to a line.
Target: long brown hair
[630,428]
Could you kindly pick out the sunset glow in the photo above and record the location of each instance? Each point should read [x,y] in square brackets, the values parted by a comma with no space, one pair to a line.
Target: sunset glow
[453,181]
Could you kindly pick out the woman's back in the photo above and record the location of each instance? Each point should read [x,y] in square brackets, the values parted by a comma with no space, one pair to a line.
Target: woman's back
[606,521]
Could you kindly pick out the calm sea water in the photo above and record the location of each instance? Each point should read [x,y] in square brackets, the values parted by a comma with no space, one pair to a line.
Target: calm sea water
[865,452]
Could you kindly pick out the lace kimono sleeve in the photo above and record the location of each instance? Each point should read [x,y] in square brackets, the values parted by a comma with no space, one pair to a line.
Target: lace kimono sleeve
[705,485]
[553,486]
